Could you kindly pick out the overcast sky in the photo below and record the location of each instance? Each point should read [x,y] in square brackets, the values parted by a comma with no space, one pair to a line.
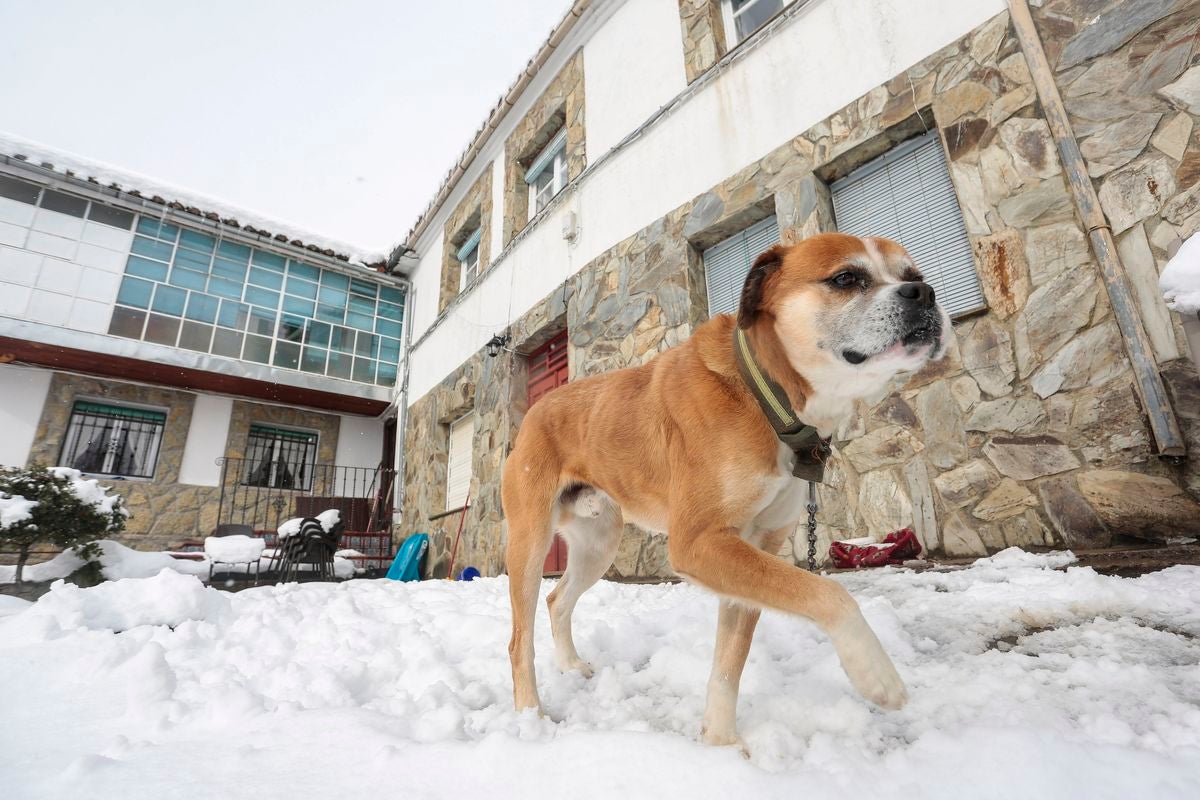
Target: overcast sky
[339,116]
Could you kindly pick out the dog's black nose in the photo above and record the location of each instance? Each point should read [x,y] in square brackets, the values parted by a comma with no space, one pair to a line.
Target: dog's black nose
[917,290]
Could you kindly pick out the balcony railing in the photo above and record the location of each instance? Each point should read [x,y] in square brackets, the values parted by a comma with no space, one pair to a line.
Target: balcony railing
[363,495]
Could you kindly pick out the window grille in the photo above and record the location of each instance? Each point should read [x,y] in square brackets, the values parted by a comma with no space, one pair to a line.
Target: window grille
[113,440]
[278,458]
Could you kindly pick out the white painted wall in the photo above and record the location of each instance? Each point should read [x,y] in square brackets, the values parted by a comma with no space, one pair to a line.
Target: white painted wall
[639,48]
[57,269]
[206,440]
[832,53]
[360,444]
[24,390]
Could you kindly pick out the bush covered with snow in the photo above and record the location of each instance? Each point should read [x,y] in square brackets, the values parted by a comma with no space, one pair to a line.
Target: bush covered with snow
[56,506]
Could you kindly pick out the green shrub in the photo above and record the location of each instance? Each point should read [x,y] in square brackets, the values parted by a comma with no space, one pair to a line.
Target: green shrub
[67,510]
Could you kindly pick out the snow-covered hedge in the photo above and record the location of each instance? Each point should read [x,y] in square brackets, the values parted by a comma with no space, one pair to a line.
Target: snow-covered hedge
[57,506]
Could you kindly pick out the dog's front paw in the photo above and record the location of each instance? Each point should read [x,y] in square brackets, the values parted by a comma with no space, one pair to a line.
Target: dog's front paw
[868,667]
[568,664]
[716,737]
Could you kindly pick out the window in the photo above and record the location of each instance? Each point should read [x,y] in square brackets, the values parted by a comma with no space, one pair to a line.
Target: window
[547,175]
[458,465]
[183,288]
[64,203]
[280,458]
[726,264]
[113,440]
[468,258]
[548,368]
[906,195]
[744,17]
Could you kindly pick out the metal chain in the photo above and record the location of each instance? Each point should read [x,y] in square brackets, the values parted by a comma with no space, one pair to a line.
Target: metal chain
[812,527]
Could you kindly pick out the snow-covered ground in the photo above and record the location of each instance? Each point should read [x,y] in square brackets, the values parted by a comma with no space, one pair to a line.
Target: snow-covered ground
[1025,682]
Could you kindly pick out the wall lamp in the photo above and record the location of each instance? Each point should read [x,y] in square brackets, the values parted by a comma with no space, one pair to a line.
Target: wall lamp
[496,344]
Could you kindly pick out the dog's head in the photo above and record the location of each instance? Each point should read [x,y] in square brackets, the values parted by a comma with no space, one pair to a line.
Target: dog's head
[846,308]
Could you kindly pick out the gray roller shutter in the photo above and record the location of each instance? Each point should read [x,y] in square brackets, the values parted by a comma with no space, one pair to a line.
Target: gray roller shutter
[727,262]
[906,195]
[458,467]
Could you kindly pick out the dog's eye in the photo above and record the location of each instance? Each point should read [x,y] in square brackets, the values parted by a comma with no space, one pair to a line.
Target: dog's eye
[844,279]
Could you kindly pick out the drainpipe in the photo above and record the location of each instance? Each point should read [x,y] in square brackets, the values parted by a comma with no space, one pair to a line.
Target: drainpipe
[1148,382]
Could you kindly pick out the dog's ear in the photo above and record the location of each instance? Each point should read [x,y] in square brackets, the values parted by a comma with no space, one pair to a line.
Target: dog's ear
[752,290]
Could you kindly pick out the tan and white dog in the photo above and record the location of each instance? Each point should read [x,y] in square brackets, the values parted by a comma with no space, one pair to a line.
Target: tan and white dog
[680,445]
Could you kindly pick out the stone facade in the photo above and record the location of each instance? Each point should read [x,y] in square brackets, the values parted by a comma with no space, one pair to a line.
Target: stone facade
[1029,432]
[703,31]
[474,212]
[560,105]
[163,511]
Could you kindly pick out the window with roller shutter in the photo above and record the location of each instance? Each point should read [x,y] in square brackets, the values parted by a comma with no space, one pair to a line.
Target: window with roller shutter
[906,195]
[458,467]
[727,262]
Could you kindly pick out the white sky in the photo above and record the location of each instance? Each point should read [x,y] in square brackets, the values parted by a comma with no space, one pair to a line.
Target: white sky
[341,117]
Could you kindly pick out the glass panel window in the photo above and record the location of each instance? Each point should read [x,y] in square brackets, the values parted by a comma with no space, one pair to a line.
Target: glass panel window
[744,17]
[169,300]
[162,330]
[196,336]
[280,458]
[202,307]
[127,322]
[386,374]
[227,343]
[17,190]
[64,203]
[105,439]
[135,292]
[113,217]
[208,281]
[547,173]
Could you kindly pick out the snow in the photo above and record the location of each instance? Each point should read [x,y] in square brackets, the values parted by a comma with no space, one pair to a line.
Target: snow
[291,527]
[89,491]
[116,560]
[108,175]
[234,549]
[1025,681]
[1180,279]
[15,509]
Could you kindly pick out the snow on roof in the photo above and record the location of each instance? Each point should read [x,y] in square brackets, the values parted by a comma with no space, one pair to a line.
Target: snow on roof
[1180,279]
[185,200]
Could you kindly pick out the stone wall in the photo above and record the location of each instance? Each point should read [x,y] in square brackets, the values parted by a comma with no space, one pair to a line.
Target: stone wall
[562,104]
[164,512]
[1029,432]
[703,32]
[474,212]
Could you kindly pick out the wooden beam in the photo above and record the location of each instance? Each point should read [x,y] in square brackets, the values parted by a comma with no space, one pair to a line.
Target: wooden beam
[132,369]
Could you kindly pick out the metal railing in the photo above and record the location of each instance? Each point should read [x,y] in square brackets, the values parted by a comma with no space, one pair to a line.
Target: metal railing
[363,495]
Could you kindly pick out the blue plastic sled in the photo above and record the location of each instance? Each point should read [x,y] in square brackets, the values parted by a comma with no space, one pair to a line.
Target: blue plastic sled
[406,564]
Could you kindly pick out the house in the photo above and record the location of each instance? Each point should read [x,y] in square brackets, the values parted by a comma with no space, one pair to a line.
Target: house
[213,366]
[613,199]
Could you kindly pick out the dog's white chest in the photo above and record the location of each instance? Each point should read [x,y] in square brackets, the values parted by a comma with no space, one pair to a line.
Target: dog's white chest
[783,499]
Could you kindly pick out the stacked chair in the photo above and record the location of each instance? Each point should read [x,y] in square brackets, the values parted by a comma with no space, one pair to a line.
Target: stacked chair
[312,546]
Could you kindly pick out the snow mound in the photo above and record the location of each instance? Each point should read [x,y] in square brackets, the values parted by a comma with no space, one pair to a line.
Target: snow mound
[1026,680]
[1180,279]
[116,561]
[291,527]
[168,598]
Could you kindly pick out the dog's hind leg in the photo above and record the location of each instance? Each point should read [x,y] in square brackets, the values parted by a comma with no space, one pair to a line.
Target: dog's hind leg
[527,492]
[591,525]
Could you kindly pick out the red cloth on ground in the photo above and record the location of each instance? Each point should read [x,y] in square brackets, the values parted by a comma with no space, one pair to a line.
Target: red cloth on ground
[896,547]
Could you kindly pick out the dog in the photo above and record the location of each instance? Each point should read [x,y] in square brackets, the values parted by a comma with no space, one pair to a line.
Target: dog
[683,445]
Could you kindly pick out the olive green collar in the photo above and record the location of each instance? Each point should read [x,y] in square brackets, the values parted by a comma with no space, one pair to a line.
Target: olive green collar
[811,450]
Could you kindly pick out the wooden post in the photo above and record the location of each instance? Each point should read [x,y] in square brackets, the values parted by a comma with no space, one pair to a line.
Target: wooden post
[1167,436]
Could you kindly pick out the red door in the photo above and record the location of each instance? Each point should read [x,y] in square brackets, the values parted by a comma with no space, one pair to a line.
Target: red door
[548,371]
